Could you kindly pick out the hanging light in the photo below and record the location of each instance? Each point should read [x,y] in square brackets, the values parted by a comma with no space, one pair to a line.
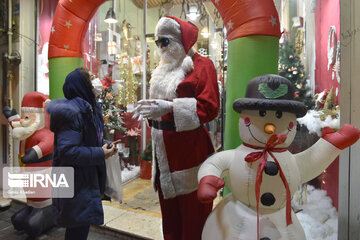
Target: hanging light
[193,13]
[112,48]
[110,16]
[205,32]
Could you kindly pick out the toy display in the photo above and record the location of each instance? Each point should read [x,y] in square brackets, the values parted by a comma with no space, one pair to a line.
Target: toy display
[36,148]
[263,174]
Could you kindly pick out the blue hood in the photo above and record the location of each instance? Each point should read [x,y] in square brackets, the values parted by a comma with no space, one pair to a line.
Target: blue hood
[76,86]
[63,111]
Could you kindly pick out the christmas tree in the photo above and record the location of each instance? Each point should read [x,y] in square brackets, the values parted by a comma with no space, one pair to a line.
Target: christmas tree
[291,67]
[111,112]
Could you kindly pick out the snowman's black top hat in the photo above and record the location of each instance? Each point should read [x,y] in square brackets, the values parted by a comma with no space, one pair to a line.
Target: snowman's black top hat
[270,92]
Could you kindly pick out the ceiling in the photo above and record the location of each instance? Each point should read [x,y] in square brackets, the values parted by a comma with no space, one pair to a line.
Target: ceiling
[157,3]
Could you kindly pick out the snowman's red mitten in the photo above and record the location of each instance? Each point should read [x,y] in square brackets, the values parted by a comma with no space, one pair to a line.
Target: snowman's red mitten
[346,136]
[208,187]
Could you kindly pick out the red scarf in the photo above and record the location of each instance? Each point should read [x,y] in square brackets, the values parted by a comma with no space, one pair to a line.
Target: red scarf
[273,141]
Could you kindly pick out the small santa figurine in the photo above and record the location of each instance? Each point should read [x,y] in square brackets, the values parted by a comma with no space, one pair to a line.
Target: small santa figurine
[36,148]
[263,175]
[184,95]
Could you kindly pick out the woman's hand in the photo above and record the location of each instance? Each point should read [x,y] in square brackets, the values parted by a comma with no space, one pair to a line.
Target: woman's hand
[109,150]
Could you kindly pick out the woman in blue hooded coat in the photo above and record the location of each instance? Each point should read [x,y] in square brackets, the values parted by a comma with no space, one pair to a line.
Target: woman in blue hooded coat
[77,123]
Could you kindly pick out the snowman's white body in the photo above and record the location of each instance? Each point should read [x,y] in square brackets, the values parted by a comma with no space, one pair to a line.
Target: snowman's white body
[235,216]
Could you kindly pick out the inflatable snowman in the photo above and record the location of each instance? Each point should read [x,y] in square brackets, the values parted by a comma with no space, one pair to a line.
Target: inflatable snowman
[263,175]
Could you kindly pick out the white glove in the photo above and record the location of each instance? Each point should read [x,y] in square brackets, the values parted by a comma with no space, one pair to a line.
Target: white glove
[152,108]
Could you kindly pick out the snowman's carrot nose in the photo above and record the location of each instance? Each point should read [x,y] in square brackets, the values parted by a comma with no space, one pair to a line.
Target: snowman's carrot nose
[269,128]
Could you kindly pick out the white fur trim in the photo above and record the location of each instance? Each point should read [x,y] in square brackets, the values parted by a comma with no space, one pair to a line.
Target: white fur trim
[39,204]
[167,186]
[14,117]
[172,183]
[185,181]
[32,110]
[187,64]
[185,114]
[38,151]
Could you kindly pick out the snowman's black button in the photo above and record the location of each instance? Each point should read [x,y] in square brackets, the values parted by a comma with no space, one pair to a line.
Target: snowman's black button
[267,199]
[265,238]
[271,168]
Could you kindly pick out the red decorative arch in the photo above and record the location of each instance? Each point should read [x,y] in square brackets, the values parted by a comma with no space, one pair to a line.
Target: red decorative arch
[245,18]
[70,24]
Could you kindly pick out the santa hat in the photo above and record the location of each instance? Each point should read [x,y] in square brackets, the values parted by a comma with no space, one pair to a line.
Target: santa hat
[181,31]
[33,102]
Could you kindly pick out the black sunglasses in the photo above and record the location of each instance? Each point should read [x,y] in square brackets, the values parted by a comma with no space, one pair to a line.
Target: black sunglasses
[162,42]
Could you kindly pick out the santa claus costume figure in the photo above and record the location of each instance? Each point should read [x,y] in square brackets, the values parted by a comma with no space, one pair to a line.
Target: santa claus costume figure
[184,95]
[36,148]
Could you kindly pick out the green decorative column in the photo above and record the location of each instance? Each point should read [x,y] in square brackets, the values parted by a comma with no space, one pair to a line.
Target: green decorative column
[60,68]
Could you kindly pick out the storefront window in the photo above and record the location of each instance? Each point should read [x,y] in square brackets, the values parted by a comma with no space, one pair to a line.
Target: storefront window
[310,57]
[114,54]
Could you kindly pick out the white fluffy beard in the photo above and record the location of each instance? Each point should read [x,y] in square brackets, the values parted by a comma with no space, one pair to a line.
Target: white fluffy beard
[22,133]
[170,72]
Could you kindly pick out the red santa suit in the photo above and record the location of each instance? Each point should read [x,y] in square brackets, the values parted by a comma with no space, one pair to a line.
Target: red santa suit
[180,140]
[40,142]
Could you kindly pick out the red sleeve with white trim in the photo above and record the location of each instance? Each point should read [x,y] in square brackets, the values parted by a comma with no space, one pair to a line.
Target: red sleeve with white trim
[199,103]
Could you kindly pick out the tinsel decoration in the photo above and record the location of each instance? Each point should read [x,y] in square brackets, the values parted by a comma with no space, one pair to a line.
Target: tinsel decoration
[128,83]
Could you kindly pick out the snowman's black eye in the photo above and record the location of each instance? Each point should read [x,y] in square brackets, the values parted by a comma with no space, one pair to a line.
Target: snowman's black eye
[278,114]
[262,113]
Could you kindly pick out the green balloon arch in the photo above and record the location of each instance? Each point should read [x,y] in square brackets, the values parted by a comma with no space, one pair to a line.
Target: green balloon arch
[69,27]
